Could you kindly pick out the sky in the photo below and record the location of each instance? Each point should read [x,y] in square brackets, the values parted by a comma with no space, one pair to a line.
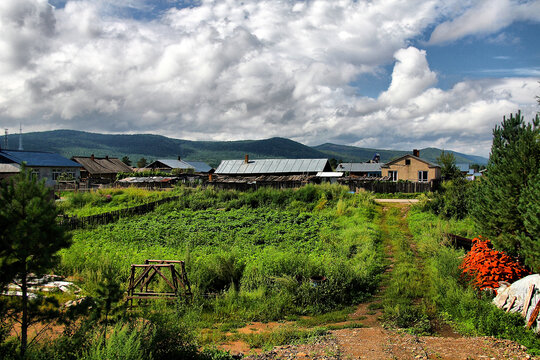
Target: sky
[384,74]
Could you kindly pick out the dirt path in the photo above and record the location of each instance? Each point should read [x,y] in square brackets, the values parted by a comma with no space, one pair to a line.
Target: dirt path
[376,342]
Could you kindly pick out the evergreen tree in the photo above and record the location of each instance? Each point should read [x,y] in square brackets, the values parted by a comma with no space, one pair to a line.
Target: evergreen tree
[503,196]
[126,160]
[529,207]
[142,163]
[449,169]
[30,237]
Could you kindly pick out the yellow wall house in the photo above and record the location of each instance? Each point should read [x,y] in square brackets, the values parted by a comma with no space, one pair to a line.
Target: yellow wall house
[411,168]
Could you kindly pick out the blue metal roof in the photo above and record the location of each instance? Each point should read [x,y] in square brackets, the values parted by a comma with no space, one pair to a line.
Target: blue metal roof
[37,158]
[175,164]
[200,167]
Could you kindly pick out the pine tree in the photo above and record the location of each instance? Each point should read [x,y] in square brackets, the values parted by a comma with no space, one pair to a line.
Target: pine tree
[529,207]
[500,199]
[449,169]
[29,236]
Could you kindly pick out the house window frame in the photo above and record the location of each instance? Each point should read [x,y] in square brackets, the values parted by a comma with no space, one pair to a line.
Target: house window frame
[422,176]
[57,172]
[393,174]
[36,174]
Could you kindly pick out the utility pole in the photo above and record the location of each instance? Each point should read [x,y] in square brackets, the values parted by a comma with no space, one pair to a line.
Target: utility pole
[20,137]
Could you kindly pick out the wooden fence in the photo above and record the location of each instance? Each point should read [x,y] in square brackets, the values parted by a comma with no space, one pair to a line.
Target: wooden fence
[385,187]
[75,222]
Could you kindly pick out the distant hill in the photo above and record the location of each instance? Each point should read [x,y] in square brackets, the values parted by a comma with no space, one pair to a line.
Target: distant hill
[357,154]
[72,143]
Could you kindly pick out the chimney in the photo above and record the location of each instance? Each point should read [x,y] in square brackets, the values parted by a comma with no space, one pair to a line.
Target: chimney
[179,159]
[106,157]
[246,160]
[92,157]
[416,152]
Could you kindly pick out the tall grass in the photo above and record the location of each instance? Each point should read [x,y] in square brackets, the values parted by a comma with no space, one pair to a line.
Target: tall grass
[106,200]
[469,311]
[249,255]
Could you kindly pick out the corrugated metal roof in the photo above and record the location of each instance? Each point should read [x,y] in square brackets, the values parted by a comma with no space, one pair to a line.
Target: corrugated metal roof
[360,167]
[198,166]
[10,168]
[102,165]
[149,179]
[272,166]
[329,174]
[175,164]
[37,158]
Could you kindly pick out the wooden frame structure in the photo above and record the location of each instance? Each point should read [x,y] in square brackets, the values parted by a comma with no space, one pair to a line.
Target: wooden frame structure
[151,268]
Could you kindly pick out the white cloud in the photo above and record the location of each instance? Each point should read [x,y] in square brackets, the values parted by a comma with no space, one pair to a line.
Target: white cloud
[410,77]
[227,70]
[486,17]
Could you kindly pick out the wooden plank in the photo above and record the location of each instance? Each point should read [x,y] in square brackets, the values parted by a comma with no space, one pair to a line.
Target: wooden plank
[150,277]
[140,277]
[165,278]
[165,261]
[527,300]
[150,293]
[146,265]
[150,297]
[534,315]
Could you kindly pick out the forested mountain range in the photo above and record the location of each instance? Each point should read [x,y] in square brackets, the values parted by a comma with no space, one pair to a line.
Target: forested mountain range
[79,143]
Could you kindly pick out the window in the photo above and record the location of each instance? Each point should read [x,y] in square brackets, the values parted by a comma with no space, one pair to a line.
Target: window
[393,175]
[407,161]
[67,174]
[422,176]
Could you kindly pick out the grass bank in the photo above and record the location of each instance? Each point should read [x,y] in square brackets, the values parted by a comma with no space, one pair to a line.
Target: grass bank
[467,310]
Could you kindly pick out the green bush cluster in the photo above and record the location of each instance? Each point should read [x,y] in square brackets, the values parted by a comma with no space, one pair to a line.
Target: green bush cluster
[106,200]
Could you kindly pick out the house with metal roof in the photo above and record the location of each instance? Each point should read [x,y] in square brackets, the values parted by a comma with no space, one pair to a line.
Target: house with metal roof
[168,165]
[411,168]
[361,169]
[465,169]
[101,169]
[248,167]
[44,165]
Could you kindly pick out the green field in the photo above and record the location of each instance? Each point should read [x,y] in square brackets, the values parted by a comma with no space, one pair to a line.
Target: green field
[254,252]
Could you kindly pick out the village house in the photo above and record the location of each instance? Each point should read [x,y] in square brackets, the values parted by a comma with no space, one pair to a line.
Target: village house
[101,169]
[411,168]
[168,165]
[44,165]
